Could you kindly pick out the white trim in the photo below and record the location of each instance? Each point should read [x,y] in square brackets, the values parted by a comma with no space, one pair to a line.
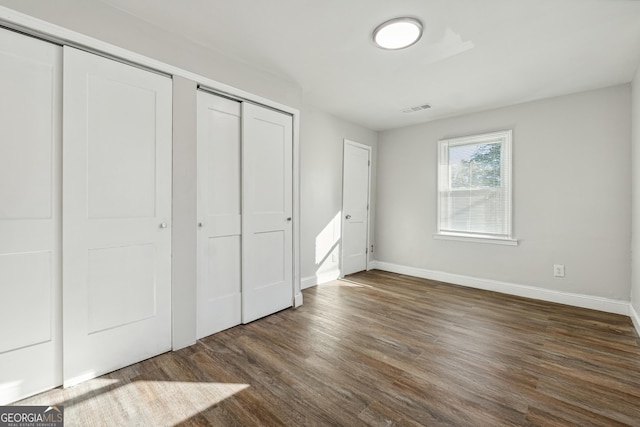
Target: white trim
[474,239]
[308,282]
[635,318]
[297,289]
[376,265]
[319,279]
[577,300]
[506,171]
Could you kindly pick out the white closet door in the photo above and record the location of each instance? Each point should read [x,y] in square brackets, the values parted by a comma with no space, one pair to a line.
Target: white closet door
[267,246]
[117,214]
[219,208]
[30,283]
[355,207]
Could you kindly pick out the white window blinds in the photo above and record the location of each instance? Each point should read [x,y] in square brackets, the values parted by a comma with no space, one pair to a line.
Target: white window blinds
[474,186]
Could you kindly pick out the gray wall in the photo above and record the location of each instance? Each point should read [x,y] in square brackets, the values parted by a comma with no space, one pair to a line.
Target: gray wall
[184,214]
[321,152]
[572,186]
[635,248]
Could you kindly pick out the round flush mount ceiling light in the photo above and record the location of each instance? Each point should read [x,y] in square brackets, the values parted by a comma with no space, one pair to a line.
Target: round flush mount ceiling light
[398,33]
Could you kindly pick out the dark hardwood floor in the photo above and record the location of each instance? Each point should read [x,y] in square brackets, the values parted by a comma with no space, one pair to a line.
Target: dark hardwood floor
[384,350]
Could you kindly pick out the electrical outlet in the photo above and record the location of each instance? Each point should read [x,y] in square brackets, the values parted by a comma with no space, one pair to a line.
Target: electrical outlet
[558,270]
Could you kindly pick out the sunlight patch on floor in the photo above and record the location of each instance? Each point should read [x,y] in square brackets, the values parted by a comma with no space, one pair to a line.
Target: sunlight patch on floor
[161,402]
[345,283]
[164,402]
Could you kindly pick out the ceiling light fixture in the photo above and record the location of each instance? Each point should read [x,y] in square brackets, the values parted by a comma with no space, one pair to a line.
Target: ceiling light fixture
[398,33]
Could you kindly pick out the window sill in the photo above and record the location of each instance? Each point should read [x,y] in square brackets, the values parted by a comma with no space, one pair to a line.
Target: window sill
[475,239]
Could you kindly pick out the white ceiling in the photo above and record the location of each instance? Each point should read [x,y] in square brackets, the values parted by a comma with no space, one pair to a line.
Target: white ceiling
[474,54]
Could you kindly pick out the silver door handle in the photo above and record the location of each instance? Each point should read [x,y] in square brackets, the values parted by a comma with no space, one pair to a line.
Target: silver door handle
[348,217]
[163,225]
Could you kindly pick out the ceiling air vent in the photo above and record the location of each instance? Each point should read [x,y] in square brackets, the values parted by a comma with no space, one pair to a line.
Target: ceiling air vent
[418,108]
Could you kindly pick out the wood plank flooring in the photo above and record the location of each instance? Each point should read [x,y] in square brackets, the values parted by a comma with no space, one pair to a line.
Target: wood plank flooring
[384,350]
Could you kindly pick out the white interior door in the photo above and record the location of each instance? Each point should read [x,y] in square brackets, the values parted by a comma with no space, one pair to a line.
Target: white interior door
[117,211]
[267,245]
[355,207]
[30,277]
[219,208]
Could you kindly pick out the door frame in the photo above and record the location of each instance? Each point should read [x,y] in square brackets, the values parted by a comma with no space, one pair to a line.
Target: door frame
[347,142]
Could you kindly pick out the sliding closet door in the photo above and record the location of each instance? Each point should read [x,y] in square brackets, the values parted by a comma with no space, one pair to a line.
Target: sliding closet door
[267,246]
[117,214]
[30,284]
[219,278]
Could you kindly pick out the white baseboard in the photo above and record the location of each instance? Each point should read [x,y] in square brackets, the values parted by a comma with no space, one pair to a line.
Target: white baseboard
[297,300]
[577,300]
[319,278]
[635,318]
[308,282]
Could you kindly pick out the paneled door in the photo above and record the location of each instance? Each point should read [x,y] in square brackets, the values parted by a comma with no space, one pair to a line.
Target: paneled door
[219,209]
[117,215]
[355,207]
[30,189]
[267,245]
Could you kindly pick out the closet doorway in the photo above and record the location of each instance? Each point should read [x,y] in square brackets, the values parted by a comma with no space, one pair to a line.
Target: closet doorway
[85,246]
[245,212]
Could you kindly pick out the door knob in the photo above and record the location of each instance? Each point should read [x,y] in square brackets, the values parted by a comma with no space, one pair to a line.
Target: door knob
[163,225]
[289,219]
[348,217]
[200,224]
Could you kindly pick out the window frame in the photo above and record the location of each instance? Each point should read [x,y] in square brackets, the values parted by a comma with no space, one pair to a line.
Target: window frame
[443,178]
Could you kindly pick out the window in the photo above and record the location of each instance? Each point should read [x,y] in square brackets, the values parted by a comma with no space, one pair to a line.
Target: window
[474,188]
